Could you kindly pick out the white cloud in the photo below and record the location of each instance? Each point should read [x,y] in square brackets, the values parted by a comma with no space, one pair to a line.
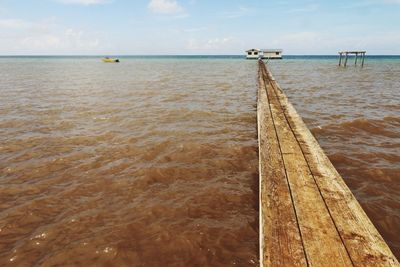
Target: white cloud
[305,9]
[70,39]
[18,25]
[44,37]
[218,42]
[84,2]
[240,12]
[299,38]
[215,44]
[323,43]
[190,30]
[14,23]
[44,41]
[392,1]
[165,7]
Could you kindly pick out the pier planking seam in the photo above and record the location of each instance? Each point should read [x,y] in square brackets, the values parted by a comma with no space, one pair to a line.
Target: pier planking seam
[360,236]
[306,199]
[282,241]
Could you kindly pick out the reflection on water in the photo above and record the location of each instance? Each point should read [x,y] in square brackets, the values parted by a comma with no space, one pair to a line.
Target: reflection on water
[147,162]
[355,115]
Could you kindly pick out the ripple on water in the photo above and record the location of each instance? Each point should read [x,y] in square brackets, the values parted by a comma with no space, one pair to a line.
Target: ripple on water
[154,169]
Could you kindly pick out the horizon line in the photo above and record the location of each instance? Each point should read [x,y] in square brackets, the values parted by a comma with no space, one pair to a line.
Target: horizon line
[163,55]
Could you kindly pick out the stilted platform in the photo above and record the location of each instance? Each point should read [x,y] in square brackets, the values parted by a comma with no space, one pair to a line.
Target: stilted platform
[308,215]
[346,55]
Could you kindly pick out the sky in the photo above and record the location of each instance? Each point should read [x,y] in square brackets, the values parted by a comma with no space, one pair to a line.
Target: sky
[197,27]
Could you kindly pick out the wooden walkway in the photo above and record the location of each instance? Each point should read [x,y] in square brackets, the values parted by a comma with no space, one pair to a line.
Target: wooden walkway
[308,215]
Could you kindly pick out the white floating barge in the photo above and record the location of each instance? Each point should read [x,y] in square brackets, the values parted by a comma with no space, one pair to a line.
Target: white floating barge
[264,53]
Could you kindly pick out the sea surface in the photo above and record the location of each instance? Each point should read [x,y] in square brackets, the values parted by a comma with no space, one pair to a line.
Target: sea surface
[154,162]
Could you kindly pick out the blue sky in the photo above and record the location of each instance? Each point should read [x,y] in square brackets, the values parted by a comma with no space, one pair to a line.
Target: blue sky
[73,27]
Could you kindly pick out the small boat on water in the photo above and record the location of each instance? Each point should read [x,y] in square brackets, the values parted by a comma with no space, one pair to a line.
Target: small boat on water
[110,60]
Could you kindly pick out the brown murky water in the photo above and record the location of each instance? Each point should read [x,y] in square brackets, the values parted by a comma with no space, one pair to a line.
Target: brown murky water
[153,162]
[355,115]
[143,163]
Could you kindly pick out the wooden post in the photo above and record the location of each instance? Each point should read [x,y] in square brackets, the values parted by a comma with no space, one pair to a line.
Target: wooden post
[362,62]
[340,58]
[345,60]
[355,61]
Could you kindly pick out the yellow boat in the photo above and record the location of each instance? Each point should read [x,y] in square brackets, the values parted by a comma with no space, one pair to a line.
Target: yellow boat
[110,60]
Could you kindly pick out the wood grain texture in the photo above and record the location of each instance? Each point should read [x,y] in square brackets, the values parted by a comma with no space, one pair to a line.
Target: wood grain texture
[280,239]
[314,220]
[333,228]
[364,243]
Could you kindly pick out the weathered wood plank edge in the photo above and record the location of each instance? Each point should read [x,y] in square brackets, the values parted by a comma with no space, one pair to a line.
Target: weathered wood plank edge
[314,220]
[280,243]
[363,241]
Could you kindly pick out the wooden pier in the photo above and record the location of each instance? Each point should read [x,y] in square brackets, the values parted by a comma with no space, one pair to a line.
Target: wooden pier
[308,215]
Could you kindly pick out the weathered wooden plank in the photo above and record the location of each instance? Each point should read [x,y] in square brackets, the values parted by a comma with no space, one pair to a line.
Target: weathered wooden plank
[280,240]
[363,242]
[322,243]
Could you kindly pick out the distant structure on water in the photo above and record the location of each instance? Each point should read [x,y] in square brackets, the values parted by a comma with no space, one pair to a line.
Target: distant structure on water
[356,53]
[264,53]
